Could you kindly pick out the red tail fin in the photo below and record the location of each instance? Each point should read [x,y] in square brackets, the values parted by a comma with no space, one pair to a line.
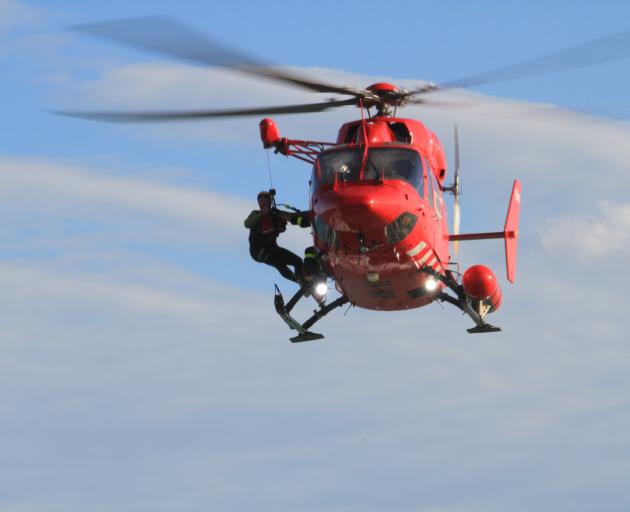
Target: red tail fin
[511,231]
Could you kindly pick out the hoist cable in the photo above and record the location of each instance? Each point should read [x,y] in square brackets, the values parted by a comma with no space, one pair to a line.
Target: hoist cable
[269,168]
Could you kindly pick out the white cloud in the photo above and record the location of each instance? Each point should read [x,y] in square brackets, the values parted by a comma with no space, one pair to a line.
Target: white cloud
[592,239]
[173,297]
[191,388]
[44,185]
[40,195]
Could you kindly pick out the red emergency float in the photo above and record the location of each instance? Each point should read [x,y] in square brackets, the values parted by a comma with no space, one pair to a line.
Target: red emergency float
[480,283]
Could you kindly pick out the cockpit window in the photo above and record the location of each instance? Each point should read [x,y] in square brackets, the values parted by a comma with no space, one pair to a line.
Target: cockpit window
[346,165]
[394,164]
[382,163]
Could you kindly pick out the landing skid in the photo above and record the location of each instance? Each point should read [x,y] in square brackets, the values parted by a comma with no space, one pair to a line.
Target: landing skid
[483,328]
[284,310]
[307,336]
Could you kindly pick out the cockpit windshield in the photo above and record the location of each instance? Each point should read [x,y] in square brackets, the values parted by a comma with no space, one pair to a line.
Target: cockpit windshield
[394,164]
[344,165]
[382,163]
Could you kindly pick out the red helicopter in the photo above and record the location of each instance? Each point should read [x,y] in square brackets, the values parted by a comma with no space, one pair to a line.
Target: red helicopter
[379,220]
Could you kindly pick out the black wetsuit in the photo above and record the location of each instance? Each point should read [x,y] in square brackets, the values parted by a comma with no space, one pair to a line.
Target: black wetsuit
[263,233]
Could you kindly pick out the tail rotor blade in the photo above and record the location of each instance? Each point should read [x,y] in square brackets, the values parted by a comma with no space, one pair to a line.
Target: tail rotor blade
[456,222]
[456,136]
[456,193]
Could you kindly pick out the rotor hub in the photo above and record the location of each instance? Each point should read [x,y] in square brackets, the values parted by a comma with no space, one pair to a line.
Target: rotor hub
[386,94]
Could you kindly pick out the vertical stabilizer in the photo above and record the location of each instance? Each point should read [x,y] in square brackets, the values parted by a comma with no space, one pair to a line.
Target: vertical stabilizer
[511,231]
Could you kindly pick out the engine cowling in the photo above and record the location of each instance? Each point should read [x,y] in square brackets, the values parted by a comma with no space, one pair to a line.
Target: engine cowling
[481,284]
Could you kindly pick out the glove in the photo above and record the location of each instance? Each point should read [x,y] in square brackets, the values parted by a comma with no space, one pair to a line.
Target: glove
[302,219]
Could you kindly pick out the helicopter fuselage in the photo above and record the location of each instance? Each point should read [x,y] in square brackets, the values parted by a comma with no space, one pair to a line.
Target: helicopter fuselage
[378,213]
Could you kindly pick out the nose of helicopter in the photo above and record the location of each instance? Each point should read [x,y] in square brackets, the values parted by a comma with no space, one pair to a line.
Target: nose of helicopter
[360,207]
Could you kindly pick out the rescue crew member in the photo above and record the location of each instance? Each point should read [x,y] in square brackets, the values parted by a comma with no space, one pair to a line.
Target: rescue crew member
[264,227]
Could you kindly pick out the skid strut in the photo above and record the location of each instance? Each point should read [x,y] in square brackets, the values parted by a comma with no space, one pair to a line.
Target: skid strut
[284,310]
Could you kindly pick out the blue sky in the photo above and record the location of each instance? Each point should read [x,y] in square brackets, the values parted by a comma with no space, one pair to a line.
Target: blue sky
[141,364]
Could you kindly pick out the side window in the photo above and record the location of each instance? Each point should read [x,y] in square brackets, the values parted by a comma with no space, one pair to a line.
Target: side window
[325,233]
[437,199]
[315,180]
[421,185]
[429,181]
[433,196]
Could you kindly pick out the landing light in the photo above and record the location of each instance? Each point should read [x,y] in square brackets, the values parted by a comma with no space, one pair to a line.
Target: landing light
[430,284]
[321,289]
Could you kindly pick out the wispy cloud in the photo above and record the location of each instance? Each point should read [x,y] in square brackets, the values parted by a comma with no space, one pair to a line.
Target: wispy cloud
[147,210]
[170,293]
[47,185]
[602,235]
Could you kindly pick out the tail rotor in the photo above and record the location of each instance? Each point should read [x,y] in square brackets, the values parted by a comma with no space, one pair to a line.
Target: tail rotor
[455,190]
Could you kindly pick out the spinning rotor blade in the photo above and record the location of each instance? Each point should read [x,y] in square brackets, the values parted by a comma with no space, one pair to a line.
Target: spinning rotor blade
[456,222]
[440,104]
[596,51]
[456,193]
[181,115]
[163,35]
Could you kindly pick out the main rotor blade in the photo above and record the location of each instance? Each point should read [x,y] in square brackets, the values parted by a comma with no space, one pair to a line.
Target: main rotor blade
[440,104]
[183,115]
[596,51]
[163,35]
